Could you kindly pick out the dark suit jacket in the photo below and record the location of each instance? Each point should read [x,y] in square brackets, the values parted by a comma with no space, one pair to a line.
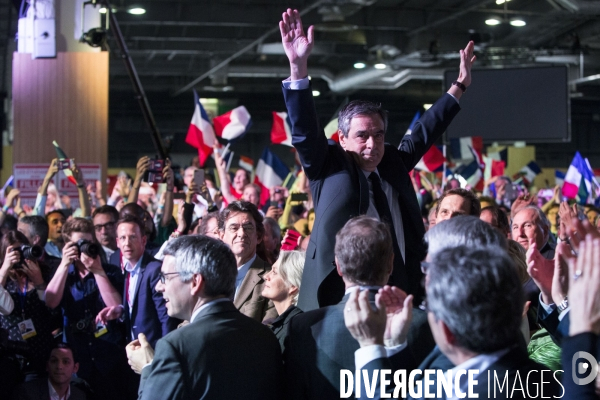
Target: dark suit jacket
[524,378]
[249,299]
[222,354]
[589,343]
[148,314]
[340,191]
[38,390]
[319,345]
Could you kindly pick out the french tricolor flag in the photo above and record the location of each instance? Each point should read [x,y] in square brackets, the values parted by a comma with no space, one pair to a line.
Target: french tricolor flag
[578,180]
[432,160]
[201,134]
[462,148]
[281,131]
[233,124]
[246,163]
[270,171]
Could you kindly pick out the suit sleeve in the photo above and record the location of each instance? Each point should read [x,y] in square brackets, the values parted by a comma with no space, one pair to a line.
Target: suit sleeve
[163,379]
[295,378]
[159,302]
[307,137]
[427,130]
[379,365]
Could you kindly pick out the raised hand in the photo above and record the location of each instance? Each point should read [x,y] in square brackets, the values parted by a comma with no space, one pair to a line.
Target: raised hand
[584,287]
[139,353]
[541,270]
[398,307]
[366,325]
[296,43]
[467,59]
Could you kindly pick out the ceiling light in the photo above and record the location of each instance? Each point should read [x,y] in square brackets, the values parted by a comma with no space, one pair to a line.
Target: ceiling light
[492,21]
[102,10]
[518,22]
[501,1]
[359,65]
[316,93]
[380,66]
[427,106]
[137,11]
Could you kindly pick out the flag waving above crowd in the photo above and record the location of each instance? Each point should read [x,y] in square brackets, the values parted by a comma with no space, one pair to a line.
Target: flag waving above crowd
[201,134]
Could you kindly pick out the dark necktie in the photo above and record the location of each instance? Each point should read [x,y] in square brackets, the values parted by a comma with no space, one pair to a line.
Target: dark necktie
[385,215]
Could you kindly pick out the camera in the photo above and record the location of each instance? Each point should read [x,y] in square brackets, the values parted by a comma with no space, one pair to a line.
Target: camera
[28,252]
[83,325]
[155,169]
[88,247]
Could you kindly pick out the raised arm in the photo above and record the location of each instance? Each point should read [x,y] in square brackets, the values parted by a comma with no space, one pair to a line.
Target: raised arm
[56,287]
[141,168]
[40,202]
[307,136]
[223,177]
[169,178]
[436,120]
[84,199]
[296,43]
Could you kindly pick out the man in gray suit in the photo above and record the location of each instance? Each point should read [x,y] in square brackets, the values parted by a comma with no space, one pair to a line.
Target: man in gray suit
[221,354]
[319,346]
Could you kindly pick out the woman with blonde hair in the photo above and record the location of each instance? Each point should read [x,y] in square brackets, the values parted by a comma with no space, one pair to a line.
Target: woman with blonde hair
[282,286]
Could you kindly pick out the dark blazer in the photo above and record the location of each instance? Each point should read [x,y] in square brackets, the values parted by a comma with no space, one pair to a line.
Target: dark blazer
[319,345]
[589,343]
[249,299]
[38,390]
[148,314]
[522,374]
[557,328]
[340,191]
[280,325]
[222,354]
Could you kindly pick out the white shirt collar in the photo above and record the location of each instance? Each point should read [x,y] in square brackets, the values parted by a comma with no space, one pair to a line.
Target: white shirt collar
[54,395]
[206,305]
[136,268]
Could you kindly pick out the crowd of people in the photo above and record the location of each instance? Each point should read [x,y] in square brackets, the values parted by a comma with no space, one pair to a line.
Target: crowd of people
[196,289]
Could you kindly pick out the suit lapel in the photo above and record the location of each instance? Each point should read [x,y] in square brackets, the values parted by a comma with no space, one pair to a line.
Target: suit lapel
[140,278]
[252,278]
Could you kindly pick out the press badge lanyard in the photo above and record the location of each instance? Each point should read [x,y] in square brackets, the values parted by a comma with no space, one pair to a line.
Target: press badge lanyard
[23,297]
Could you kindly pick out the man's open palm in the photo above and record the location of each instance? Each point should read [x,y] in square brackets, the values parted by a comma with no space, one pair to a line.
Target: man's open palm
[296,43]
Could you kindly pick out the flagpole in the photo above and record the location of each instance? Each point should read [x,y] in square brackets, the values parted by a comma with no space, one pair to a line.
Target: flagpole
[445,166]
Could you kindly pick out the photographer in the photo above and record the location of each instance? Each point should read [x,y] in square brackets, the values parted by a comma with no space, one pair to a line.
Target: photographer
[28,320]
[82,287]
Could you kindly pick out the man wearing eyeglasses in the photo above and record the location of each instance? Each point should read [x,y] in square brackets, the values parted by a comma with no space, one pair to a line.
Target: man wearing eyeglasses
[220,354]
[105,219]
[241,228]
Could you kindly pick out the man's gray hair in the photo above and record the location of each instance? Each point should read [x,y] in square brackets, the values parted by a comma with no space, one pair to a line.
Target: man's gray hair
[360,107]
[463,230]
[542,220]
[476,292]
[203,255]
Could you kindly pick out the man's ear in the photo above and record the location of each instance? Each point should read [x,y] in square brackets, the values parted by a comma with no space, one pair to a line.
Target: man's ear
[337,267]
[36,240]
[449,336]
[342,139]
[75,367]
[197,284]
